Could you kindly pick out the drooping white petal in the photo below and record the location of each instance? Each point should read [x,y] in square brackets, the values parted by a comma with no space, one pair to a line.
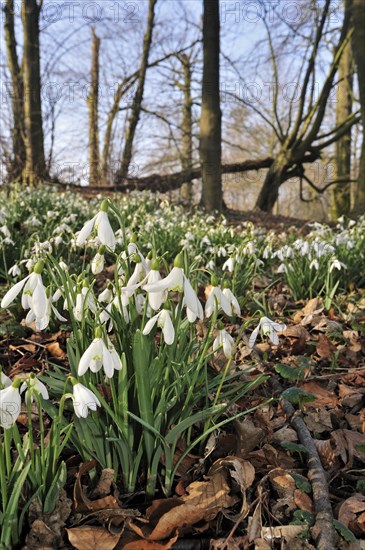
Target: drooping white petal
[165,323]
[9,406]
[39,299]
[5,380]
[13,292]
[85,232]
[105,231]
[232,300]
[97,264]
[150,324]
[96,361]
[83,400]
[108,363]
[253,337]
[85,359]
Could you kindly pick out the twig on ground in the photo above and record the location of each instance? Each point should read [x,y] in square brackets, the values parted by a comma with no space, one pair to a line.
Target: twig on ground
[323,531]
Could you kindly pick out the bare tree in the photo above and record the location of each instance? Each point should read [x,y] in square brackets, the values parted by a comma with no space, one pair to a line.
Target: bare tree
[35,167]
[341,193]
[93,105]
[357,11]
[210,120]
[138,97]
[17,94]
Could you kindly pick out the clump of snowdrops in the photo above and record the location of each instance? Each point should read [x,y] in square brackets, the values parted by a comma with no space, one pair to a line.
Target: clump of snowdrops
[139,393]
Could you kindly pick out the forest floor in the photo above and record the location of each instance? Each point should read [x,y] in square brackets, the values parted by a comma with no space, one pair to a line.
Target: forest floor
[289,475]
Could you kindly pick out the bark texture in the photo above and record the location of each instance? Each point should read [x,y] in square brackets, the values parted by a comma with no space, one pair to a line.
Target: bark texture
[341,193]
[187,128]
[357,9]
[210,120]
[35,166]
[17,94]
[93,106]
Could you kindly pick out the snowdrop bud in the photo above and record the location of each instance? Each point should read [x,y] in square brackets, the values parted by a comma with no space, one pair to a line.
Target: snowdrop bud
[83,399]
[10,403]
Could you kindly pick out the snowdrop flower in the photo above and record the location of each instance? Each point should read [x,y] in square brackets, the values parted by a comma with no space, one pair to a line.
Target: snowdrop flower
[282,269]
[210,265]
[217,300]
[42,323]
[224,340]
[336,264]
[99,355]
[177,280]
[10,404]
[102,225]
[155,299]
[269,328]
[33,386]
[63,266]
[83,399]
[106,296]
[163,320]
[34,294]
[232,300]
[14,271]
[314,264]
[97,264]
[229,265]
[84,300]
[5,380]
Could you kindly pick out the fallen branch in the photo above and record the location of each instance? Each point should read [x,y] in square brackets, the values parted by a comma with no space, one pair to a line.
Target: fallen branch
[323,531]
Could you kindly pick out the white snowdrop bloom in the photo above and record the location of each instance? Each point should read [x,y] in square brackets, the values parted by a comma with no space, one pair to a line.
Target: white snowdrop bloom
[268,328]
[58,240]
[99,355]
[84,400]
[42,323]
[176,280]
[194,309]
[8,241]
[30,264]
[102,225]
[221,252]
[282,269]
[155,299]
[210,265]
[84,301]
[205,241]
[133,249]
[267,253]
[336,264]
[224,340]
[10,403]
[97,264]
[217,300]
[106,296]
[136,280]
[164,322]
[314,264]
[63,266]
[249,249]
[5,231]
[232,300]
[14,271]
[229,265]
[32,386]
[34,294]
[5,380]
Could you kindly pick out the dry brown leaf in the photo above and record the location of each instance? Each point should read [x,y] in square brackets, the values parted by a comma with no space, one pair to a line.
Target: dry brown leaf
[324,396]
[81,502]
[326,452]
[205,499]
[280,532]
[282,482]
[352,514]
[347,444]
[55,350]
[249,436]
[286,433]
[104,484]
[88,537]
[150,545]
[303,501]
[325,349]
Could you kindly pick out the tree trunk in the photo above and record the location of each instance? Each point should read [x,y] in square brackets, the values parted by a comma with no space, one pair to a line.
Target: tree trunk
[122,173]
[35,167]
[18,160]
[341,193]
[187,129]
[358,46]
[270,188]
[210,120]
[93,105]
